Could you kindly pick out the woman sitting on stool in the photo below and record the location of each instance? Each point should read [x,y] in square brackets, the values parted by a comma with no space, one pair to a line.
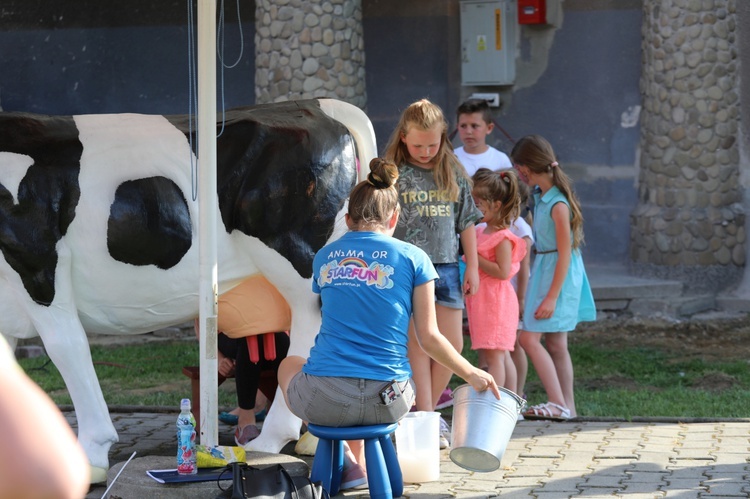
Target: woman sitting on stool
[370,284]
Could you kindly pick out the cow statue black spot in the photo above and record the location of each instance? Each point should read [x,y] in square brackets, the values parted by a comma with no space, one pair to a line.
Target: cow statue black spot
[98,229]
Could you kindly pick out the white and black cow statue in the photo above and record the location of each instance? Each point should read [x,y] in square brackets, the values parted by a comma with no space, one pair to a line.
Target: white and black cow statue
[98,229]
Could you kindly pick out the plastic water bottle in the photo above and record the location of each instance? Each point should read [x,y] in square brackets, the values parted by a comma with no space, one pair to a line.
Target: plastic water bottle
[186,453]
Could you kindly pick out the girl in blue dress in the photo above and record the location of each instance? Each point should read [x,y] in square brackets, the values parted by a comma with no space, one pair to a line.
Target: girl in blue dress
[558,296]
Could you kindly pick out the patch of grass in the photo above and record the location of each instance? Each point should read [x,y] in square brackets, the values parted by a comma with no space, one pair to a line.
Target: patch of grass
[610,382]
[139,374]
[646,382]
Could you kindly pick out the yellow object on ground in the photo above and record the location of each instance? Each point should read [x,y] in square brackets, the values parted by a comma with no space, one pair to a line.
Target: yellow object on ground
[219,455]
[306,444]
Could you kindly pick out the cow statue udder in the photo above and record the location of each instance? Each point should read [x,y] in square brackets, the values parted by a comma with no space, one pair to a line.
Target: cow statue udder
[98,229]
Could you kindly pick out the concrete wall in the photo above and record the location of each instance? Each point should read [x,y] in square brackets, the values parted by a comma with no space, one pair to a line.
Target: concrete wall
[77,57]
[577,80]
[577,84]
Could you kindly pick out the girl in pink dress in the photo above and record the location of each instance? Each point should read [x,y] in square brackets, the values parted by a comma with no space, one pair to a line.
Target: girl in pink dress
[493,310]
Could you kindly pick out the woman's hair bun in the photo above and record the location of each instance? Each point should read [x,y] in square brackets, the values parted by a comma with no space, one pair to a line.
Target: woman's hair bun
[383,173]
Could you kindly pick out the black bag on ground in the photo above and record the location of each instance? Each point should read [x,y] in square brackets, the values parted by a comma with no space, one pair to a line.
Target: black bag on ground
[273,482]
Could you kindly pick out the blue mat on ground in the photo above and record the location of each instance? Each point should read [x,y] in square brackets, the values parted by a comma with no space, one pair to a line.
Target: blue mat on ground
[203,475]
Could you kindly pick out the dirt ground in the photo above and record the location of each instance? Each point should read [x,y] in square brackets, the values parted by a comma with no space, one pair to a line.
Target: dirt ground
[710,337]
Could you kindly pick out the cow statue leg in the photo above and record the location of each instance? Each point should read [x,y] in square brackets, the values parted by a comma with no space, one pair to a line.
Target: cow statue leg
[68,348]
[281,426]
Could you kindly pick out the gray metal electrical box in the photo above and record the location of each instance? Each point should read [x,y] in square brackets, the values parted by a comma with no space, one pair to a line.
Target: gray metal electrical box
[488,42]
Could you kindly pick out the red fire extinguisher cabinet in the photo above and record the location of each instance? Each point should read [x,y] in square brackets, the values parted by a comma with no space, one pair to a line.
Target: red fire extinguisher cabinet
[532,12]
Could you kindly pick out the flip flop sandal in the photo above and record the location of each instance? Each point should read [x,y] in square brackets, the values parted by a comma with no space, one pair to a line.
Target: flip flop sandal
[228,418]
[545,412]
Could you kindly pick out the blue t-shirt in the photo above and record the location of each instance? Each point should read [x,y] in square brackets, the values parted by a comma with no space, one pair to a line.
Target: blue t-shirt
[365,281]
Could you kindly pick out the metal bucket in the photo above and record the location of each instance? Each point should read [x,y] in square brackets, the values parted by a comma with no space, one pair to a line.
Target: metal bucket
[482,426]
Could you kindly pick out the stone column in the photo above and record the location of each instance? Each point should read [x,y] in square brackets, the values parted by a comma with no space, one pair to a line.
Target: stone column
[743,23]
[309,48]
[689,223]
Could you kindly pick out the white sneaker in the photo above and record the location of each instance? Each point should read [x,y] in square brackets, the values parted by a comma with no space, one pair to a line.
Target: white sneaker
[445,434]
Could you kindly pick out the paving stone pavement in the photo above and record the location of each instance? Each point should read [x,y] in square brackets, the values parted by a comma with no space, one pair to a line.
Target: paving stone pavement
[546,460]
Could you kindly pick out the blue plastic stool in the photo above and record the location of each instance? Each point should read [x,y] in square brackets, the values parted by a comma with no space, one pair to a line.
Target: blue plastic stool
[383,472]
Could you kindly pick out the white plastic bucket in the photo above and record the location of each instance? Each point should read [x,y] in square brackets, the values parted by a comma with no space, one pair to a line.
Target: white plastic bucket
[418,446]
[482,426]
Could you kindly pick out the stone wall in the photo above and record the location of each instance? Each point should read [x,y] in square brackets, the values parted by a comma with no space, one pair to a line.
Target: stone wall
[689,223]
[743,19]
[307,49]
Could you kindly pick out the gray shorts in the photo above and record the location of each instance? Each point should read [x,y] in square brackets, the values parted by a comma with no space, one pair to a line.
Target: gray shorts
[334,401]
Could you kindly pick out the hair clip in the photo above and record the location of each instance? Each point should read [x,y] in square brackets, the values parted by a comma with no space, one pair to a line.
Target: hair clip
[377,182]
[553,164]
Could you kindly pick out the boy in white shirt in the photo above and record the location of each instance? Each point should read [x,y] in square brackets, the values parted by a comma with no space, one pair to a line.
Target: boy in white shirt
[474,125]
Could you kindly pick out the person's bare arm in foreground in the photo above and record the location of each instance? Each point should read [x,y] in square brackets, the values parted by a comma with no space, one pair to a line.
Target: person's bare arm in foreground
[39,454]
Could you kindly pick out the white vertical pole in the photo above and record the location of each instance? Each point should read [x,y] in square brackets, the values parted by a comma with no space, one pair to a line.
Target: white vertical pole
[208,210]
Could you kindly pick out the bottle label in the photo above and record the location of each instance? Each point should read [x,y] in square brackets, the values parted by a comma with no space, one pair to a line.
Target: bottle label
[186,454]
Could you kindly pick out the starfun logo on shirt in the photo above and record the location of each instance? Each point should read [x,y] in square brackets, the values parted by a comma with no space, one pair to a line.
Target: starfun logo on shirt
[357,270]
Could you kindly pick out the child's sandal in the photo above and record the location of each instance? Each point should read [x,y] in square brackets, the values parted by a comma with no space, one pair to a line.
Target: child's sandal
[545,412]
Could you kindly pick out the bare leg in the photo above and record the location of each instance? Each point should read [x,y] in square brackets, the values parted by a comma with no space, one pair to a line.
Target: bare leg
[245,417]
[557,346]
[496,365]
[261,402]
[450,323]
[545,367]
[481,359]
[288,369]
[355,451]
[511,376]
[522,367]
